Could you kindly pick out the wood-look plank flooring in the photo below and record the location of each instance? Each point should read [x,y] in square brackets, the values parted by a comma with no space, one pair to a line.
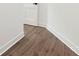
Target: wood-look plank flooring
[38,41]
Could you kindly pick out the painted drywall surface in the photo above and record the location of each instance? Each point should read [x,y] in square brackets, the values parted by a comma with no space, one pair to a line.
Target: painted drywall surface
[64,19]
[43,10]
[10,22]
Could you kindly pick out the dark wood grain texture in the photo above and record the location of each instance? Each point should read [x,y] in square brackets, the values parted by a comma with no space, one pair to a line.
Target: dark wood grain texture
[38,41]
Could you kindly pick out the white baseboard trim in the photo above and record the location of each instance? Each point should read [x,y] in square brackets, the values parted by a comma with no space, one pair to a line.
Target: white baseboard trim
[68,43]
[41,25]
[30,21]
[9,44]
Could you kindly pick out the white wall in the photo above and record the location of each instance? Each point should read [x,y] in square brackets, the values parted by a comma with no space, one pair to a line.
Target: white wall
[11,16]
[43,10]
[64,19]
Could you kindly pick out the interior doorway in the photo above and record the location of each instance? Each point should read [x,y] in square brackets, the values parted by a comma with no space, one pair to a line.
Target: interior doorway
[31,14]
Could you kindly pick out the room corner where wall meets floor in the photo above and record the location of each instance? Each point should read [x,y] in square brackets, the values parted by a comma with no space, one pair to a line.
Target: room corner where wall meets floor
[63,21]
[64,40]
[11,26]
[11,42]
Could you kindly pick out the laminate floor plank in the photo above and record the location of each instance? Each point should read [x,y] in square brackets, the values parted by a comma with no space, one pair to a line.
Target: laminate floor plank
[38,41]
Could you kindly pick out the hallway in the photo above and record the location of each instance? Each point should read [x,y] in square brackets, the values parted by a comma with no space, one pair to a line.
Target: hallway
[38,41]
